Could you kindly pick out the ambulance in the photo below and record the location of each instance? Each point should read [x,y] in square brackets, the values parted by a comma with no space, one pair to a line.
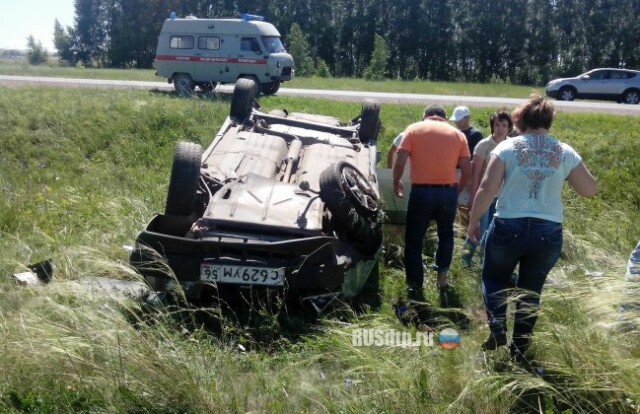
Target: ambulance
[203,53]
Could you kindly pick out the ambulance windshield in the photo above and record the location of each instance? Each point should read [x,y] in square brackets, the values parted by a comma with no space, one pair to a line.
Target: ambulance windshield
[273,44]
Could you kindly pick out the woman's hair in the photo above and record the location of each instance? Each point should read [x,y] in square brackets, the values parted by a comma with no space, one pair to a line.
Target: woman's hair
[501,115]
[534,113]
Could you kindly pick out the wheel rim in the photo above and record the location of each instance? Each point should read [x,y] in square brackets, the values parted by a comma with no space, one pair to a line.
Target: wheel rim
[567,95]
[632,98]
[359,189]
[184,84]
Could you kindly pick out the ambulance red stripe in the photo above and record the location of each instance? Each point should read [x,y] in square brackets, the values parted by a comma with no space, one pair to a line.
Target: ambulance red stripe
[248,61]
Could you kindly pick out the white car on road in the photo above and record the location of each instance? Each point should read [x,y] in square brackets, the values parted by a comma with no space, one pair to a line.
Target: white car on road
[620,85]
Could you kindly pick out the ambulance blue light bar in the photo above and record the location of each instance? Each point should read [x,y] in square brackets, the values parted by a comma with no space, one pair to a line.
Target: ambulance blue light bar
[247,16]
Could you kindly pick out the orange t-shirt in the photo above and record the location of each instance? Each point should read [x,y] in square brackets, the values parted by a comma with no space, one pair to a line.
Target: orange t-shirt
[434,148]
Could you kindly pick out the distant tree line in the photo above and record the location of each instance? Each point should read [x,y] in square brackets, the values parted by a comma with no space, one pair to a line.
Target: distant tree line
[522,42]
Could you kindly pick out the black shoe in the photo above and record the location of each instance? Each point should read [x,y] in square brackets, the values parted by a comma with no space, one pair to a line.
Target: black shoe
[520,359]
[415,295]
[493,342]
[449,298]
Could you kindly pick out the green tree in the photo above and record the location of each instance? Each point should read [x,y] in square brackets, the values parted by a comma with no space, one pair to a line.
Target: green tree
[322,69]
[91,26]
[36,54]
[377,69]
[65,44]
[298,46]
[434,47]
[541,43]
[134,26]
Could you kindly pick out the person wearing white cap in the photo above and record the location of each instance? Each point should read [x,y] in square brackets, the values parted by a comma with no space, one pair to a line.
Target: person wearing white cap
[462,118]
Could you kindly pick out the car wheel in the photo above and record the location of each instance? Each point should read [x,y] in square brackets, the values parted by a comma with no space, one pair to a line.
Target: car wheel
[631,97]
[370,122]
[244,95]
[354,205]
[352,183]
[270,88]
[183,184]
[207,86]
[183,84]
[566,94]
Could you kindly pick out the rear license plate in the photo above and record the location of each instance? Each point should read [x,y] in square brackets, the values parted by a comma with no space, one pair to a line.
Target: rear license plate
[251,275]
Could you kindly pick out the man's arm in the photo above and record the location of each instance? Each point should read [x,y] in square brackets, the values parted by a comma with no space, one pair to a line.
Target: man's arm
[392,151]
[398,169]
[464,163]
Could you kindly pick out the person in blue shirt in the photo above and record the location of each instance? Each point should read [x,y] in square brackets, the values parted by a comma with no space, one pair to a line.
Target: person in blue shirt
[527,174]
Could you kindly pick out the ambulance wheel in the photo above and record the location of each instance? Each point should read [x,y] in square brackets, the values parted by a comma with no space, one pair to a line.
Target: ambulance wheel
[270,88]
[183,184]
[207,86]
[184,84]
[244,95]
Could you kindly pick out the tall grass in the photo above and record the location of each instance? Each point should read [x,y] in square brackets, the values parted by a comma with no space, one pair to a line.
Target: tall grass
[82,171]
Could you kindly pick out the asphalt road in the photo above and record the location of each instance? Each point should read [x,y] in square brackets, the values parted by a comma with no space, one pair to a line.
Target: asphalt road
[354,96]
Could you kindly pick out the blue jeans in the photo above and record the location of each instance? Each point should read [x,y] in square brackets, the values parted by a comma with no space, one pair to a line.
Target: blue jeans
[485,220]
[426,204]
[633,266]
[536,245]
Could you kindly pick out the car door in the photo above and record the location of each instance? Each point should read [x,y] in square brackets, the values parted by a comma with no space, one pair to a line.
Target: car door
[595,85]
[618,82]
[208,59]
[250,59]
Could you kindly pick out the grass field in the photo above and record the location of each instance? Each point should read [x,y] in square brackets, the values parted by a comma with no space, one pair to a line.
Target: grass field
[82,171]
[349,84]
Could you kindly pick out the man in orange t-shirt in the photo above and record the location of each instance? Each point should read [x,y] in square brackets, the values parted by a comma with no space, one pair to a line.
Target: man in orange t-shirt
[435,149]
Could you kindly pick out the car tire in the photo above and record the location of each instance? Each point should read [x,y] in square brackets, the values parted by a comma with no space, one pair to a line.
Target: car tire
[370,122]
[242,102]
[183,84]
[207,87]
[566,93]
[183,184]
[354,205]
[355,190]
[270,88]
[631,97]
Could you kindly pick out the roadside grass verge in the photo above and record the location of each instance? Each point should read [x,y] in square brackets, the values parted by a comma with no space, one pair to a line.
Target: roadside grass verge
[82,171]
[496,89]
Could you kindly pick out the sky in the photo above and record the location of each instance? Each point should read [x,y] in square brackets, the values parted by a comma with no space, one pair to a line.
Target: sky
[21,18]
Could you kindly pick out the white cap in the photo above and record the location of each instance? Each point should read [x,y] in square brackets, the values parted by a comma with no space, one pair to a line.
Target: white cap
[459,113]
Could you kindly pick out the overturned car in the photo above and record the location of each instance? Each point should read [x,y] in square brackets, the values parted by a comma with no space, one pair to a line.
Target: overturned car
[279,201]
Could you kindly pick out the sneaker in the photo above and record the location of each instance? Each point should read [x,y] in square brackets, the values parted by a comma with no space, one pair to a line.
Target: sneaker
[449,297]
[468,250]
[493,342]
